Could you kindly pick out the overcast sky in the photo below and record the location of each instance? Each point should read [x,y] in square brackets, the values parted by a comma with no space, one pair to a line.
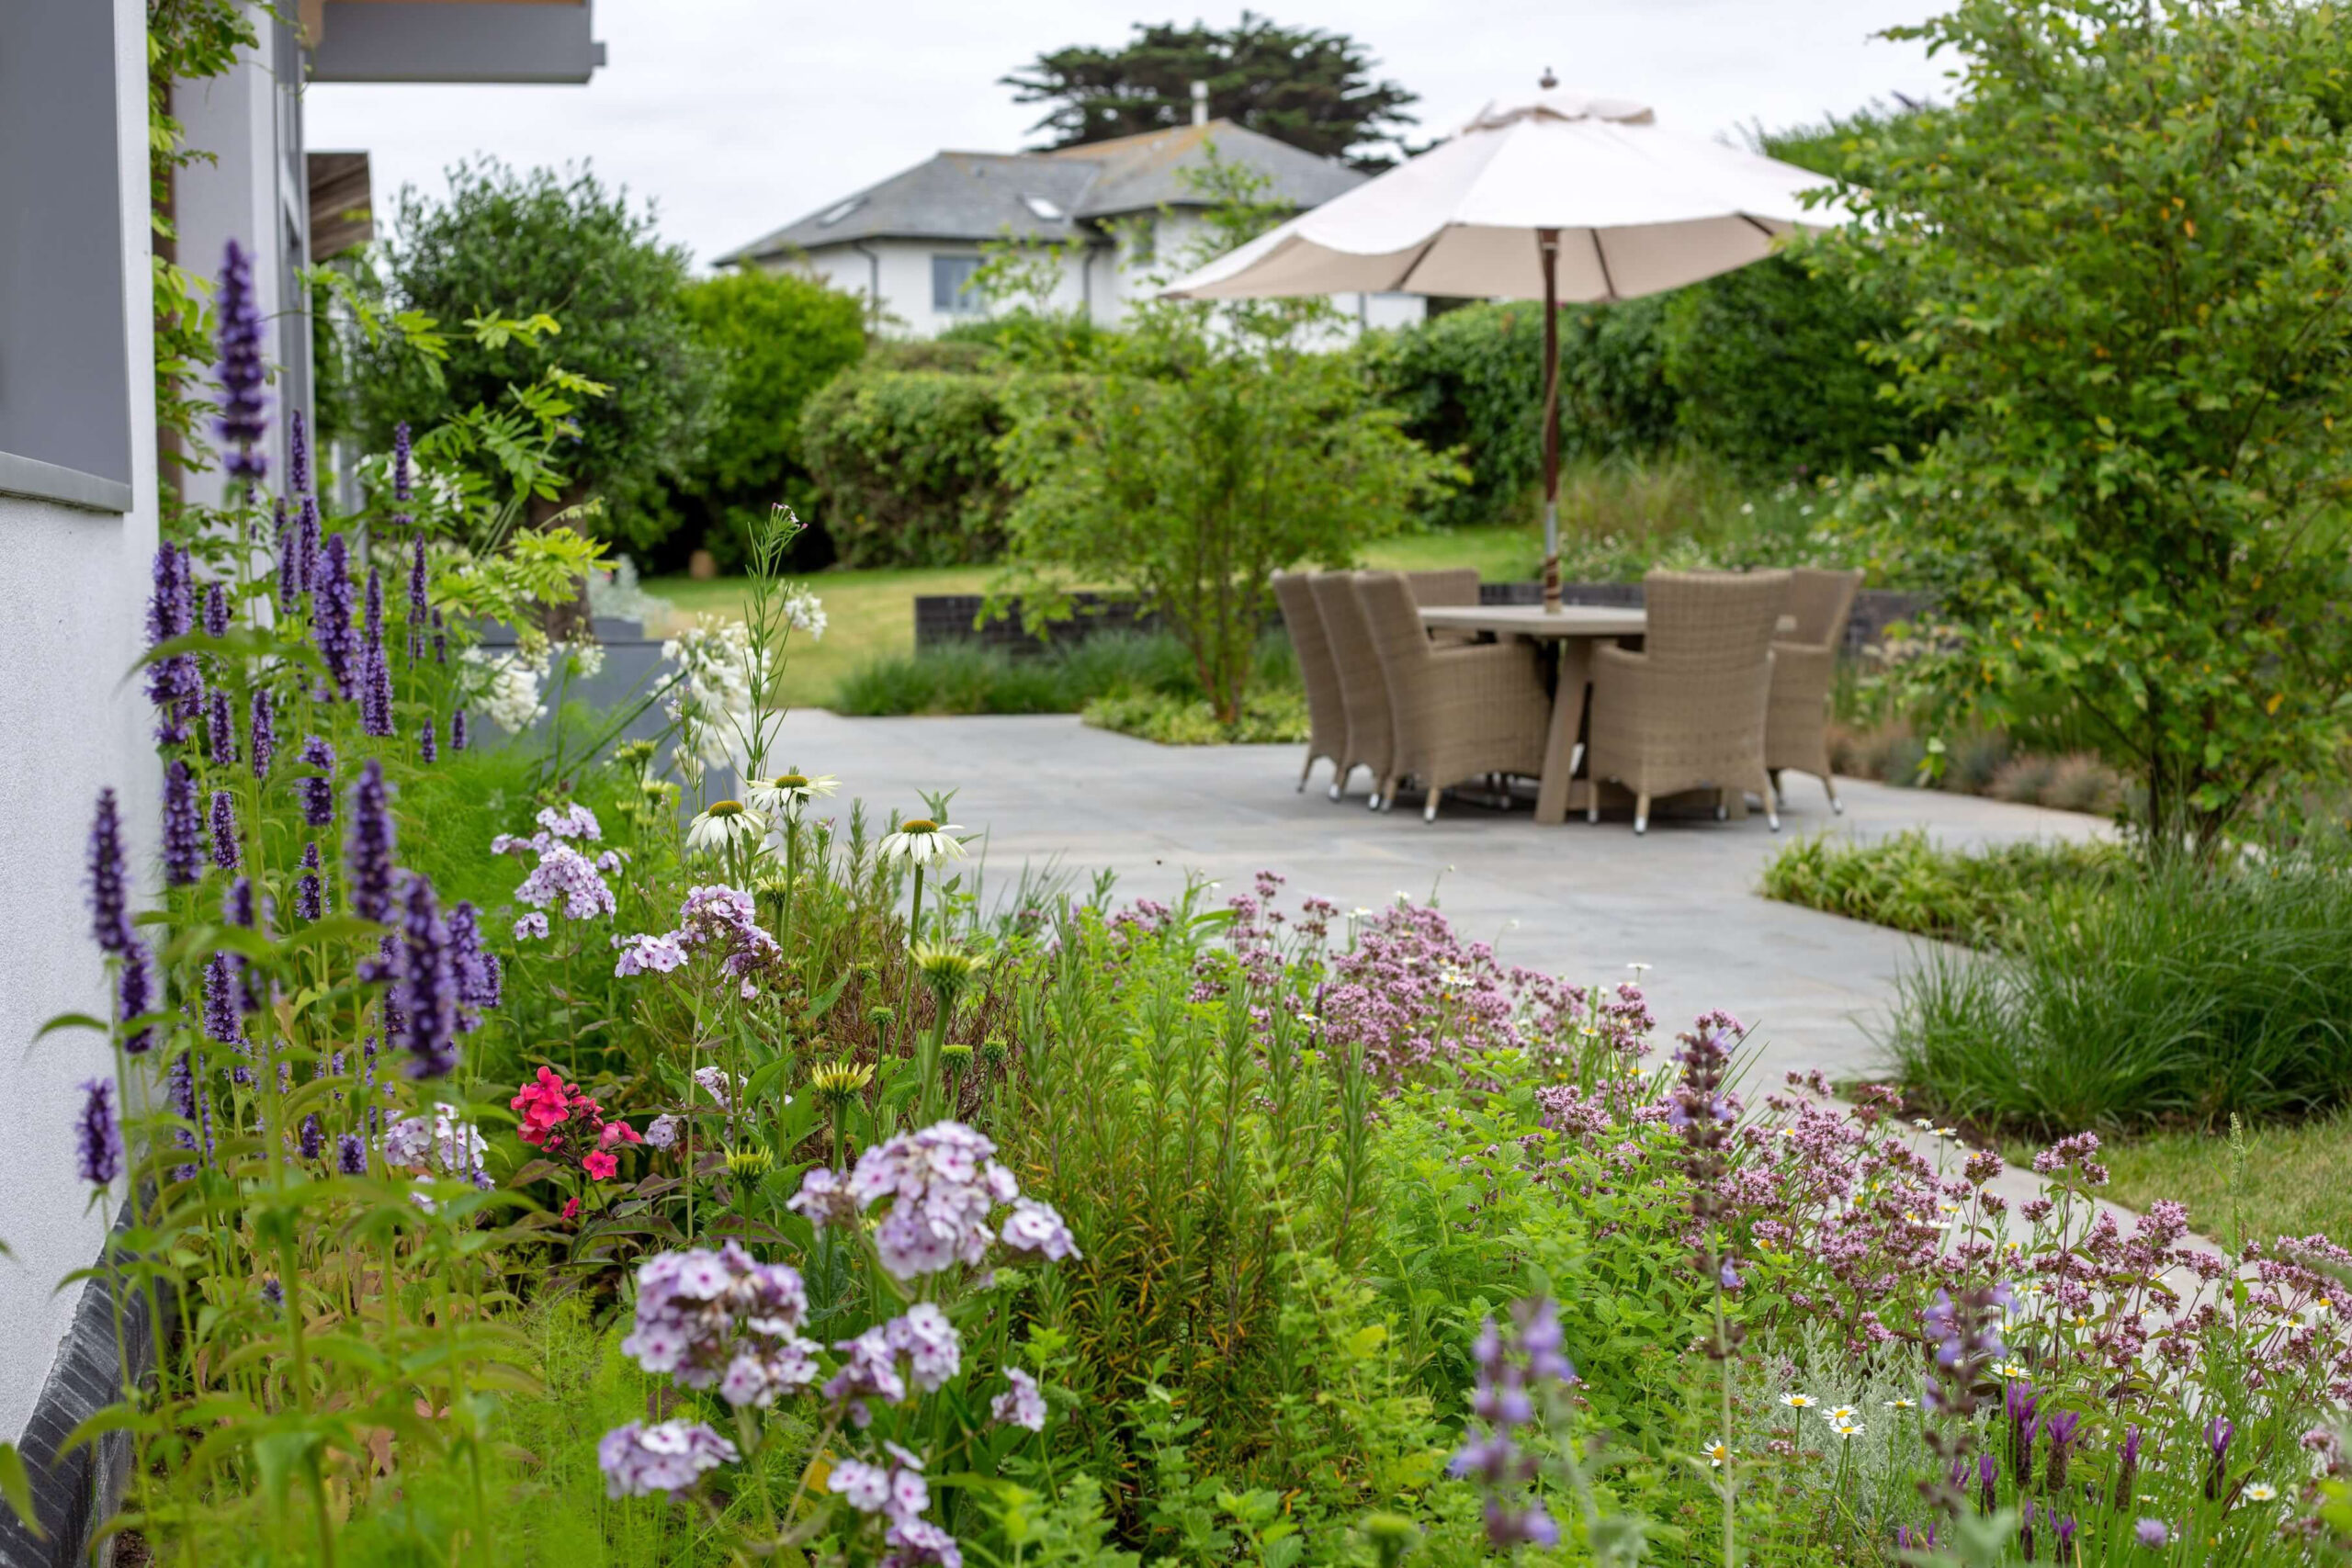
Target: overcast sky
[739,116]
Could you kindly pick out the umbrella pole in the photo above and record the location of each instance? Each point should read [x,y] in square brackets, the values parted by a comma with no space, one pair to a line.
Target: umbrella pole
[1548,243]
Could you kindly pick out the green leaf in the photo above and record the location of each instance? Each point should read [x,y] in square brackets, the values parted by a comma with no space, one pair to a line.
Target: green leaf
[17,1486]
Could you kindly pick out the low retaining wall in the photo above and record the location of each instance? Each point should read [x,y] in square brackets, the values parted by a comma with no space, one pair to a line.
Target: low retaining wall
[942,618]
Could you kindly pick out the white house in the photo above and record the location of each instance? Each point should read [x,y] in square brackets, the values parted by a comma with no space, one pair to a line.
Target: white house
[912,243]
[79,509]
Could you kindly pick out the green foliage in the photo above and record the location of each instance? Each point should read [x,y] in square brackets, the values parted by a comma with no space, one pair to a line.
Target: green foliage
[1304,86]
[2122,257]
[2183,993]
[1978,896]
[776,338]
[906,466]
[506,245]
[1275,717]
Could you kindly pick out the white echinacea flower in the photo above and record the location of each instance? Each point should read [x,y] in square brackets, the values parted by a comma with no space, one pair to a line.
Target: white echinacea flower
[726,825]
[785,794]
[919,842]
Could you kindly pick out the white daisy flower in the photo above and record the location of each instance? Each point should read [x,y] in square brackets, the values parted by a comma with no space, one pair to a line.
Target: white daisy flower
[1717,1454]
[728,825]
[785,794]
[1903,1405]
[1849,1430]
[919,840]
[1843,1415]
[2260,1492]
[1798,1401]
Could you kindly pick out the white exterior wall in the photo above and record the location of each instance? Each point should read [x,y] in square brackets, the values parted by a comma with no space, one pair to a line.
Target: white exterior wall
[1107,285]
[254,192]
[71,612]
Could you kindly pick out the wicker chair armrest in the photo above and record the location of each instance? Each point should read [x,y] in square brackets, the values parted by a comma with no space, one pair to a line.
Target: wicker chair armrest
[1480,666]
[1799,668]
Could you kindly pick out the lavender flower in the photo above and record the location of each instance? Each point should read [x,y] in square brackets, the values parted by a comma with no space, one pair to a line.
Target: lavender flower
[2018,1402]
[330,628]
[110,898]
[2218,1433]
[2127,1468]
[641,1460]
[367,850]
[224,831]
[2062,1427]
[219,728]
[183,827]
[314,1136]
[374,671]
[1988,1472]
[1023,1403]
[718,1318]
[240,371]
[350,1154]
[99,1155]
[310,888]
[2025,1532]
[426,987]
[2064,1532]
[316,795]
[262,733]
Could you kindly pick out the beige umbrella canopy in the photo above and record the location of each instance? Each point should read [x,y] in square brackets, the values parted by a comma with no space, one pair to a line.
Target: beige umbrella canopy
[1565,197]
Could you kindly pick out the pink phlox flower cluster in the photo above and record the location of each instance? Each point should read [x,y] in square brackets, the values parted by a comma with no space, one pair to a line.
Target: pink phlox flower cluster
[1034,1230]
[640,1460]
[564,874]
[717,1083]
[655,953]
[899,1494]
[716,919]
[718,1318]
[531,927]
[574,821]
[442,1143]
[1023,1403]
[917,1350]
[942,1184]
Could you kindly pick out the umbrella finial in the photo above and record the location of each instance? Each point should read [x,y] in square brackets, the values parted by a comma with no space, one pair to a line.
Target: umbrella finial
[1548,81]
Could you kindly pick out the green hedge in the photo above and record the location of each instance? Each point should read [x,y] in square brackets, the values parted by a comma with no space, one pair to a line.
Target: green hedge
[905,465]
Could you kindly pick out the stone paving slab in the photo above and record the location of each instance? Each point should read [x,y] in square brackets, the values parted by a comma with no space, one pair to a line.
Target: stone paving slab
[1581,900]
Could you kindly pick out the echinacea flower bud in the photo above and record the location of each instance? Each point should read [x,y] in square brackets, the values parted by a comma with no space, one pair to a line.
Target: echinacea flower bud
[99,1152]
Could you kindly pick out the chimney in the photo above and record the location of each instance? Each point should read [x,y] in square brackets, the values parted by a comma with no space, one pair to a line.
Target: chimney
[1200,102]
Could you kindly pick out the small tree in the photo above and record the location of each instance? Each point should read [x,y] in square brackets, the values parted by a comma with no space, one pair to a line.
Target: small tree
[2121,256]
[1212,446]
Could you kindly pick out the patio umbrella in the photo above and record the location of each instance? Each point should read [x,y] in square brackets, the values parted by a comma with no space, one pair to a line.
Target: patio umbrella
[1565,197]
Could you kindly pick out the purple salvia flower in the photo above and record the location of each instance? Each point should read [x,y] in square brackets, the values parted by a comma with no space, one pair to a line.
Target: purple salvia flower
[262,734]
[317,794]
[309,890]
[109,895]
[99,1152]
[224,831]
[375,669]
[240,371]
[351,1154]
[426,984]
[457,730]
[216,610]
[367,850]
[183,827]
[220,730]
[330,628]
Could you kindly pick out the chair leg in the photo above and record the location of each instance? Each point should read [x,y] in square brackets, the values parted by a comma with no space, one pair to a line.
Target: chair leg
[1723,812]
[1341,773]
[1642,812]
[1429,805]
[1772,802]
[1305,771]
[1836,806]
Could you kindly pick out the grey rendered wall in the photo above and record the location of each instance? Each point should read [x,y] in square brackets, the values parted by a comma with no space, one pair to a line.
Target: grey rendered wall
[70,603]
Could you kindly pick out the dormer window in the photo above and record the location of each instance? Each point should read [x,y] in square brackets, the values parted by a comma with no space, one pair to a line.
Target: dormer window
[833,215]
[1050,211]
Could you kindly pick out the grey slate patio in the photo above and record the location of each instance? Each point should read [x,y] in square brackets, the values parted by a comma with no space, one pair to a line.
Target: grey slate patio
[1579,901]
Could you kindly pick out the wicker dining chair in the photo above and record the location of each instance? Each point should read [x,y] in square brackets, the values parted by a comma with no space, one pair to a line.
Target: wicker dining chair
[1796,726]
[1460,713]
[1687,711]
[1327,714]
[1454,585]
[1363,689]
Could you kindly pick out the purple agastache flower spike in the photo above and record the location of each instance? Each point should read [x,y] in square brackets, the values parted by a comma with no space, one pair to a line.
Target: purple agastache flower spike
[216,610]
[262,734]
[98,1157]
[314,1137]
[221,986]
[330,628]
[368,849]
[375,669]
[309,890]
[428,742]
[298,453]
[224,831]
[457,730]
[171,612]
[291,579]
[402,479]
[440,644]
[179,1093]
[310,547]
[183,827]
[135,996]
[109,892]
[350,1154]
[476,970]
[426,984]
[237,908]
[240,371]
[420,610]
[220,730]
[316,795]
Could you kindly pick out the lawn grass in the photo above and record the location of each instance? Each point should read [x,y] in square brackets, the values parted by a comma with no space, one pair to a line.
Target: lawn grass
[870,614]
[2297,1178]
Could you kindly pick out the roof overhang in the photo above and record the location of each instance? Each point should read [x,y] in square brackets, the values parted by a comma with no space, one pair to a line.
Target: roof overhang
[451,40]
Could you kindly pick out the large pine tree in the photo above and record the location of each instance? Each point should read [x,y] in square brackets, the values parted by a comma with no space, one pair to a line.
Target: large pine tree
[1310,88]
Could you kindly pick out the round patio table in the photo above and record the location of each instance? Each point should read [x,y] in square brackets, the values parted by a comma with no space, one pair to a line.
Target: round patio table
[1576,627]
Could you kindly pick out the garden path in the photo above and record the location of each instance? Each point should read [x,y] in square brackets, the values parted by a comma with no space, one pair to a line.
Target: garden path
[1577,900]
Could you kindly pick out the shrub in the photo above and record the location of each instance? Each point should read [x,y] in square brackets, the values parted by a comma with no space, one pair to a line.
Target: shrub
[905,463]
[2184,995]
[777,338]
[1912,884]
[2125,291]
[968,678]
[2023,780]
[1267,716]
